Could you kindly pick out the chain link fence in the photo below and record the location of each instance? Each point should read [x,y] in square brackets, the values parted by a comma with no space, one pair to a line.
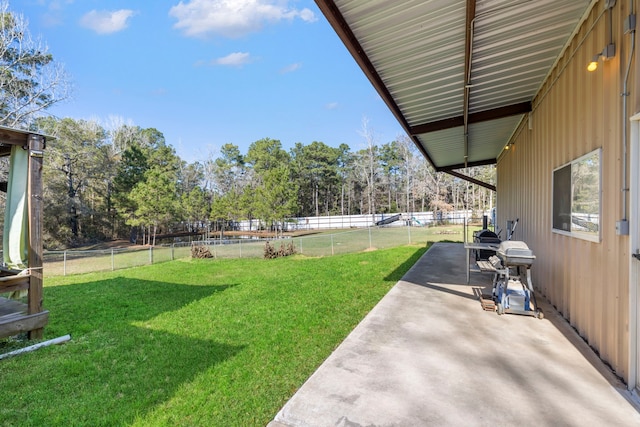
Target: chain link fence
[57,263]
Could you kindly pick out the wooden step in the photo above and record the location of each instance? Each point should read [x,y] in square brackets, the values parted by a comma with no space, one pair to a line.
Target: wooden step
[487,302]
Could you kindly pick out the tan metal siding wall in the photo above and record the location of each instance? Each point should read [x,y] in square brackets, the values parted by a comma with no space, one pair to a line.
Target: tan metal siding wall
[575,113]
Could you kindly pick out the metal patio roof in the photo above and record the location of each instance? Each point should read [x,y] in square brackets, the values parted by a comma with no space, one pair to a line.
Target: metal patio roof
[459,75]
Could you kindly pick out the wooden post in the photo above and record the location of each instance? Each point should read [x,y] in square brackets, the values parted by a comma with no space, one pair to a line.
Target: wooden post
[36,145]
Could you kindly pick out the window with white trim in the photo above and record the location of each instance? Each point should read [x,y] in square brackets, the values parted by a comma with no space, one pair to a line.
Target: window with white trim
[577,199]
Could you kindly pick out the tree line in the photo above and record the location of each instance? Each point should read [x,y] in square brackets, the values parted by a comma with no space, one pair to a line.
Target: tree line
[128,182]
[123,181]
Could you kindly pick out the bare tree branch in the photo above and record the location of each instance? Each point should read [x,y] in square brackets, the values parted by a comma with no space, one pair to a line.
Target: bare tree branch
[30,81]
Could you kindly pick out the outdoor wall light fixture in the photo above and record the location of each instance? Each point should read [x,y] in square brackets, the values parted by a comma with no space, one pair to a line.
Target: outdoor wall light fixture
[607,53]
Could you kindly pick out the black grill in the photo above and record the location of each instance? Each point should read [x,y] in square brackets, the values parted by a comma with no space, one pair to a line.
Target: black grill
[485,236]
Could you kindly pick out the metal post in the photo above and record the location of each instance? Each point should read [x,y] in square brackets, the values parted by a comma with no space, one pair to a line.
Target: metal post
[113,264]
[370,245]
[409,231]
[64,264]
[301,245]
[332,253]
[172,256]
[464,230]
[240,243]
[468,265]
[150,254]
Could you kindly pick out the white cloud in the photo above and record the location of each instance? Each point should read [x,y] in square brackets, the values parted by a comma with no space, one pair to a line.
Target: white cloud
[107,22]
[236,59]
[307,15]
[291,68]
[331,106]
[233,18]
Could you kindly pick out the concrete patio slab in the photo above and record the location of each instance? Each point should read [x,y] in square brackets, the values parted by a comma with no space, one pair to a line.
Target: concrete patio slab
[428,354]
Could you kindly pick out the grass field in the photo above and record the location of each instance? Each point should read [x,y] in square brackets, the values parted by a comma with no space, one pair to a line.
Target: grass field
[320,244]
[221,342]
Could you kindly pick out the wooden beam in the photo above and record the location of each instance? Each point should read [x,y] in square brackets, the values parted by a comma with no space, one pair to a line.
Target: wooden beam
[8,136]
[13,283]
[13,325]
[36,145]
[480,116]
[472,180]
[14,136]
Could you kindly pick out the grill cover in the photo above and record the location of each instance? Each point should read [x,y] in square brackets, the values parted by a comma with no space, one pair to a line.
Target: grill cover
[513,252]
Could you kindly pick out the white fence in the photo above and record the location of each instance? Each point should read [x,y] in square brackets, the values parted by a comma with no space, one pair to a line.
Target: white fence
[364,221]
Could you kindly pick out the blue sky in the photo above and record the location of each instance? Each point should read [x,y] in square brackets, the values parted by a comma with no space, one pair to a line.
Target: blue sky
[210,72]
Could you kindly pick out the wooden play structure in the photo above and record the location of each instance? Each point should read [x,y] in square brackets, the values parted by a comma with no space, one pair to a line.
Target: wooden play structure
[21,269]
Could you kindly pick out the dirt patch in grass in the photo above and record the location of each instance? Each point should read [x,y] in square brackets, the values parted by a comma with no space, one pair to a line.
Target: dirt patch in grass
[107,245]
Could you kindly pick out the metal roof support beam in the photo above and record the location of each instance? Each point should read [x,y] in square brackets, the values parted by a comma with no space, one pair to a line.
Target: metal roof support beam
[472,180]
[468,52]
[480,116]
[469,165]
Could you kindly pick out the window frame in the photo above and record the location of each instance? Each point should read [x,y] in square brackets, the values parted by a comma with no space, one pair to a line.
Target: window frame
[561,173]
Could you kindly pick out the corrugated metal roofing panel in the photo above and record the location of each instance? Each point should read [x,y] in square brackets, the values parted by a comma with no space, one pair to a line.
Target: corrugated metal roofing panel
[515,44]
[486,137]
[490,137]
[443,146]
[417,51]
[412,45]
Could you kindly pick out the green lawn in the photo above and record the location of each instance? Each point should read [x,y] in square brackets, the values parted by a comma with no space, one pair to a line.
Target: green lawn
[193,342]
